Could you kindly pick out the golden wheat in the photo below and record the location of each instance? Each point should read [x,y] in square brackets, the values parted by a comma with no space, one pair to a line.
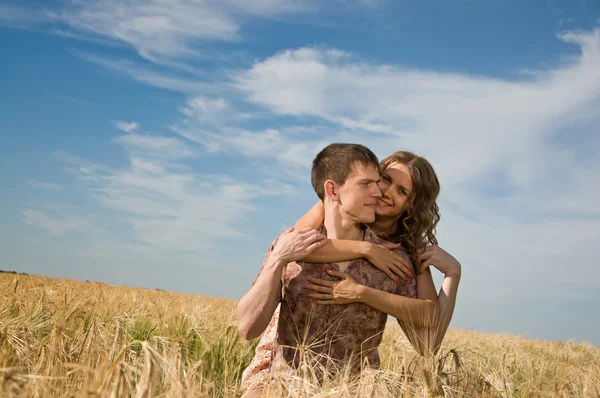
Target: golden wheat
[80,339]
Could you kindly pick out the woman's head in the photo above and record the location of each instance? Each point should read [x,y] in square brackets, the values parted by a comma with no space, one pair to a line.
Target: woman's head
[410,188]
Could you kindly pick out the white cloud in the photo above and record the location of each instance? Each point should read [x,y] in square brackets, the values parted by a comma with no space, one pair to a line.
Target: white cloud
[51,186]
[208,110]
[166,204]
[514,197]
[155,146]
[55,224]
[482,119]
[160,29]
[517,157]
[127,127]
[147,75]
[518,205]
[14,16]
[482,134]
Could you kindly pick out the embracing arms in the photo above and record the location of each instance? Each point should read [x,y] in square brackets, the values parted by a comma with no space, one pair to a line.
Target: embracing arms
[425,320]
[419,312]
[256,307]
[380,255]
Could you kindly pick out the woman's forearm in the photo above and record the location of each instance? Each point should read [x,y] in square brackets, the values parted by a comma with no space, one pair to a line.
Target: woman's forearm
[417,313]
[429,340]
[446,304]
[423,338]
[338,250]
[312,218]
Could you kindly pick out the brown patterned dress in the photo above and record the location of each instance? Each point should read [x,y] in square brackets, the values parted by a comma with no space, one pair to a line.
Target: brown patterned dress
[328,335]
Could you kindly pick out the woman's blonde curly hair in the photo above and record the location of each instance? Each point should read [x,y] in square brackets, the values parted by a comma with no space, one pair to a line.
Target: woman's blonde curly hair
[416,226]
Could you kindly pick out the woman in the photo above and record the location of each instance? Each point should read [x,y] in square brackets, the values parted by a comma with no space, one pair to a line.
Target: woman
[407,215]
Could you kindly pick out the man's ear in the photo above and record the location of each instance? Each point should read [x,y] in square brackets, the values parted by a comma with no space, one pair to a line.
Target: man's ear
[331,190]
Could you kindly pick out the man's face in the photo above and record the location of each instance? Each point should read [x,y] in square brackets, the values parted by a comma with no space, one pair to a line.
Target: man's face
[359,195]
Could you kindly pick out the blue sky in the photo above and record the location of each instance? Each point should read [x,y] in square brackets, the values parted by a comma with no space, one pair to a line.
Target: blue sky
[163,144]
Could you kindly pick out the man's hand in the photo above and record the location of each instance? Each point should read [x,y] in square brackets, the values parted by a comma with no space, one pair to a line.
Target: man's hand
[440,259]
[345,291]
[394,265]
[294,245]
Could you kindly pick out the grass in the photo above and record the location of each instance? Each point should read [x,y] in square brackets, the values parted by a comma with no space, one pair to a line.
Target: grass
[83,339]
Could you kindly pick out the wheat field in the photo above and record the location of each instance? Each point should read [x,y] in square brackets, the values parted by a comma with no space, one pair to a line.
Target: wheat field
[85,339]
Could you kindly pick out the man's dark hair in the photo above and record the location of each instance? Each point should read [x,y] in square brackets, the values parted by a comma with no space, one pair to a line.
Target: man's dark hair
[336,161]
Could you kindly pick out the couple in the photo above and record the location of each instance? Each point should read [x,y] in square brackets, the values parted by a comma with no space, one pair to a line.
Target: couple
[363,252]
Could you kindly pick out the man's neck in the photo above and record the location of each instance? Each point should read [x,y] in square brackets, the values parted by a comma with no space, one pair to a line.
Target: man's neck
[340,226]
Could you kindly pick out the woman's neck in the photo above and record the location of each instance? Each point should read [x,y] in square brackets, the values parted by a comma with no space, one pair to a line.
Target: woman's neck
[385,226]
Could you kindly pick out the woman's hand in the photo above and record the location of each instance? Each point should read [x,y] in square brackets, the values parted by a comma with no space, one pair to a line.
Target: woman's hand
[345,291]
[440,259]
[394,265]
[294,245]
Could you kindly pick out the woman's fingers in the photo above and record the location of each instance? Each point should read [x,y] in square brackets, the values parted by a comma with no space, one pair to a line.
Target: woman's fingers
[337,274]
[318,288]
[404,266]
[321,282]
[320,296]
[398,271]
[408,268]
[423,267]
[426,255]
[328,302]
[428,252]
[393,277]
[391,246]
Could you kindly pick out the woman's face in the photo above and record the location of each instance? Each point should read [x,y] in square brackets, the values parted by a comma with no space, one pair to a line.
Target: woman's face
[395,185]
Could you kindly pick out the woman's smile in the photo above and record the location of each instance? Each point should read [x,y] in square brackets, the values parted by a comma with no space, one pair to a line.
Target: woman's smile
[383,203]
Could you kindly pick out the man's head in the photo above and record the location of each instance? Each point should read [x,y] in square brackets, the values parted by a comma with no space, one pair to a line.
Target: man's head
[347,174]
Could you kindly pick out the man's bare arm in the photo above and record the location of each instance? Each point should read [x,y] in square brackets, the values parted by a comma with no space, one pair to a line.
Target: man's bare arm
[256,307]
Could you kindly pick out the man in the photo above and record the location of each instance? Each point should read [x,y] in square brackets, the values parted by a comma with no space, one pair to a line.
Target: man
[345,178]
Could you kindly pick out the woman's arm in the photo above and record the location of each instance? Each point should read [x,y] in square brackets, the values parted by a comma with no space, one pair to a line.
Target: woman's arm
[416,312]
[446,304]
[452,271]
[422,338]
[380,255]
[313,218]
[424,320]
[393,265]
